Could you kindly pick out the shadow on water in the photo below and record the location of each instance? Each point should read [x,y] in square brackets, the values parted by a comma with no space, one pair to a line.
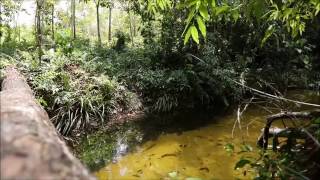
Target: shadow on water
[155,125]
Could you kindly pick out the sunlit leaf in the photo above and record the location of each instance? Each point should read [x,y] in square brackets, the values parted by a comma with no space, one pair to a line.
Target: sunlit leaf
[204,12]
[194,34]
[267,34]
[222,9]
[213,3]
[202,26]
[187,36]
[191,3]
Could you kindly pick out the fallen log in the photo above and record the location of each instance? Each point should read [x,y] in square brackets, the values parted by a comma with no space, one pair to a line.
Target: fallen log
[276,132]
[30,146]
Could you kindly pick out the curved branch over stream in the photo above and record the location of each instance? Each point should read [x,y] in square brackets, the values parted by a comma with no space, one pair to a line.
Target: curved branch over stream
[30,145]
[263,139]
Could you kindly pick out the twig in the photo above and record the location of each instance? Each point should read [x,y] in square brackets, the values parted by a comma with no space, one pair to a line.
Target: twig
[276,97]
[239,114]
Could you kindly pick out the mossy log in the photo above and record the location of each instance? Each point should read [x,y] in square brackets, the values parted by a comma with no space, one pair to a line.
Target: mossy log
[30,146]
[268,132]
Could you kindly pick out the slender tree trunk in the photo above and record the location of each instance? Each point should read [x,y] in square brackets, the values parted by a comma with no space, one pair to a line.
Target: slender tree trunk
[134,26]
[131,28]
[98,24]
[52,22]
[73,19]
[110,14]
[16,32]
[19,33]
[38,34]
[0,25]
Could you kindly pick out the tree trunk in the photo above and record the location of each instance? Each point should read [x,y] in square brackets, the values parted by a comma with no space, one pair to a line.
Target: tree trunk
[52,22]
[73,19]
[134,26]
[1,25]
[30,146]
[38,34]
[131,28]
[17,29]
[98,24]
[110,18]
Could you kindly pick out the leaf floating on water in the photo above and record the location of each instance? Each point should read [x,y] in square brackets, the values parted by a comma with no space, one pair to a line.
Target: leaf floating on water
[166,155]
[183,145]
[139,171]
[204,169]
[150,147]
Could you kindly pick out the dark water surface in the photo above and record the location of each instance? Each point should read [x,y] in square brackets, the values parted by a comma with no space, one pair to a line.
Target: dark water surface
[200,152]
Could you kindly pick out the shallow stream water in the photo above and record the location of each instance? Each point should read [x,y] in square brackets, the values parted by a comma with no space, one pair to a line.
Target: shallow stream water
[201,152]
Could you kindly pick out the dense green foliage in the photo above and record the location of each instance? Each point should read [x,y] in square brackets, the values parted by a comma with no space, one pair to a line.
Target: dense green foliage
[155,67]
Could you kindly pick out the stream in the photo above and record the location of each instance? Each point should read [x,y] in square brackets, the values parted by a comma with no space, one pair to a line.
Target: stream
[199,153]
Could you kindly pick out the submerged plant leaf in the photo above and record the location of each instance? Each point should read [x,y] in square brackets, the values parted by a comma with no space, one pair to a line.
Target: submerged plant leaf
[173,174]
[229,148]
[193,178]
[242,163]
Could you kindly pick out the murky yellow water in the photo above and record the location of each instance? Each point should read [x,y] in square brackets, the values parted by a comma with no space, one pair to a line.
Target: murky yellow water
[197,153]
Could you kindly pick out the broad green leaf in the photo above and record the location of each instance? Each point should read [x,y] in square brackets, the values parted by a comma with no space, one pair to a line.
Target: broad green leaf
[317,9]
[213,3]
[194,34]
[242,163]
[204,12]
[301,28]
[191,3]
[267,34]
[190,17]
[286,14]
[222,9]
[191,14]
[161,5]
[187,36]
[202,26]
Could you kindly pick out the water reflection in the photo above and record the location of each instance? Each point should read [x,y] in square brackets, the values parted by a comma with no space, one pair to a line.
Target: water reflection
[195,153]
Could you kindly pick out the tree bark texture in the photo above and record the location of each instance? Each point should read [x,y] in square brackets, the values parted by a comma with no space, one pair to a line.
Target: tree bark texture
[73,19]
[110,24]
[30,146]
[98,23]
[52,22]
[38,32]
